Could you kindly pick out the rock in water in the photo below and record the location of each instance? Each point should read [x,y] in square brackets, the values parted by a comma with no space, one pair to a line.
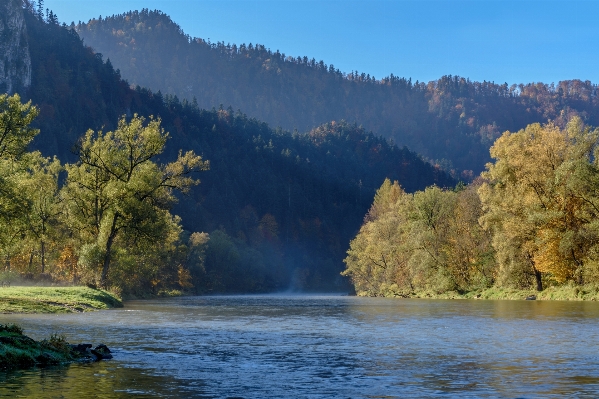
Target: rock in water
[81,348]
[102,352]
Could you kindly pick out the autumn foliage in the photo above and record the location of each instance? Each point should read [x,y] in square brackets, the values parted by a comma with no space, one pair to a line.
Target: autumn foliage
[530,220]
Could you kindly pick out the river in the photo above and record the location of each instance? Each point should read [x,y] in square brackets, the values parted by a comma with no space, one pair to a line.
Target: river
[290,346]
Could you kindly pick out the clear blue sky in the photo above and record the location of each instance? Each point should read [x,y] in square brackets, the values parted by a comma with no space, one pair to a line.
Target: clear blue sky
[500,41]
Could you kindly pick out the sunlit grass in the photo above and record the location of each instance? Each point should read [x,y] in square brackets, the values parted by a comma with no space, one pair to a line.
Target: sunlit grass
[568,292]
[55,299]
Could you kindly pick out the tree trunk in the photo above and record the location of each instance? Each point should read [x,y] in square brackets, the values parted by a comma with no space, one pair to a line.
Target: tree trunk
[536,272]
[43,255]
[31,260]
[578,271]
[108,248]
[579,278]
[105,266]
[538,278]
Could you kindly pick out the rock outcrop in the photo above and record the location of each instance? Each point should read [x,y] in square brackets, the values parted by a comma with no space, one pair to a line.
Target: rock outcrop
[15,60]
[19,351]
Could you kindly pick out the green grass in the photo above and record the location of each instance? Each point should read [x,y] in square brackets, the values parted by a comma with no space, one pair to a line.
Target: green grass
[568,292]
[20,351]
[556,293]
[55,299]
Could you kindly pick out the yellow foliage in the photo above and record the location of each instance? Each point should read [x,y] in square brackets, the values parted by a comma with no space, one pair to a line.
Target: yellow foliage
[184,277]
[548,257]
[539,198]
[67,263]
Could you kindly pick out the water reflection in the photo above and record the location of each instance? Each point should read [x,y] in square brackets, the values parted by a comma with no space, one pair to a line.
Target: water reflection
[104,380]
[327,347]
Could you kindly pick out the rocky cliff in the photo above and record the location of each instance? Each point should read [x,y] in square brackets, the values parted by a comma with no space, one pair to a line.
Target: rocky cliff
[15,61]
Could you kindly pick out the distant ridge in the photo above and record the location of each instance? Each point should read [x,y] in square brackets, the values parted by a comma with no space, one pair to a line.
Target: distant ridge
[451,121]
[281,205]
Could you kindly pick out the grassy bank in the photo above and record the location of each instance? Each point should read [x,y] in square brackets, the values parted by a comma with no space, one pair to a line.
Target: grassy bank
[55,299]
[557,293]
[20,351]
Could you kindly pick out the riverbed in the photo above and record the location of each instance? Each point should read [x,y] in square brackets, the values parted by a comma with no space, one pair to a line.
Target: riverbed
[327,346]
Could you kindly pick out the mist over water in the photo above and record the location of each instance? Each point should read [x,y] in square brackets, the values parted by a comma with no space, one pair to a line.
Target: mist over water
[327,346]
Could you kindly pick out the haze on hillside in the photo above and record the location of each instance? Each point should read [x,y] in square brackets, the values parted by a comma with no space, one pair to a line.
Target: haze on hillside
[500,41]
[275,209]
[451,121]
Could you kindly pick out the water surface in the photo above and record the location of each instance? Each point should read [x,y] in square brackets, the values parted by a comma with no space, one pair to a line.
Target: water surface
[322,347]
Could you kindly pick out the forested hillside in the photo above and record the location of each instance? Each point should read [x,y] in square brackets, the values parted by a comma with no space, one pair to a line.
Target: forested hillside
[452,121]
[275,209]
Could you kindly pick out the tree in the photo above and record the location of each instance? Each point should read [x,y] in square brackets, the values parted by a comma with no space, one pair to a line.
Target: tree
[540,201]
[15,135]
[116,190]
[427,241]
[470,255]
[378,258]
[40,186]
[430,219]
[15,130]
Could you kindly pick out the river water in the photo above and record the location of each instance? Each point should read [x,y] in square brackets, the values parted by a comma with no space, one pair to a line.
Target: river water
[322,347]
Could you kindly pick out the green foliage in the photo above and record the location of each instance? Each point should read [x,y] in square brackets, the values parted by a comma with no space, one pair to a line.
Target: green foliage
[15,205]
[530,221]
[118,195]
[289,202]
[15,135]
[57,342]
[452,120]
[8,276]
[426,242]
[233,266]
[541,202]
[11,328]
[15,126]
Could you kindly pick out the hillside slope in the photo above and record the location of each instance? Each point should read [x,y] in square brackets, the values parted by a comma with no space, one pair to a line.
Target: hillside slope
[282,205]
[451,120]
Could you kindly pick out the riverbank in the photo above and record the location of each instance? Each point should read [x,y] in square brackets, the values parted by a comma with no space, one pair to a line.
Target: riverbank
[55,300]
[19,351]
[554,293]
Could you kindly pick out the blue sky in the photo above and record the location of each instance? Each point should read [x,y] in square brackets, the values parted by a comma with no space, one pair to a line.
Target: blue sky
[500,41]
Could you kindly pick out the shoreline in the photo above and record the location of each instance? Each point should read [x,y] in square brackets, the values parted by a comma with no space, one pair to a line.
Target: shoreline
[18,351]
[48,300]
[588,293]
[23,300]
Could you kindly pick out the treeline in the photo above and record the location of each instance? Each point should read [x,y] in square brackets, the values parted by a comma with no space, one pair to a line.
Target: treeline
[530,220]
[451,121]
[103,220]
[274,211]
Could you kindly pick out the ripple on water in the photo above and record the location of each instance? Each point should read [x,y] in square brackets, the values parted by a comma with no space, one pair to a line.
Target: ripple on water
[327,347]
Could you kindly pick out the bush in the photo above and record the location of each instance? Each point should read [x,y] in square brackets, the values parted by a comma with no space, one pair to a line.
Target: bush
[11,328]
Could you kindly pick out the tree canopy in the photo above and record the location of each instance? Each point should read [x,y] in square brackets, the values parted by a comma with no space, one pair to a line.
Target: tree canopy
[531,220]
[540,201]
[117,190]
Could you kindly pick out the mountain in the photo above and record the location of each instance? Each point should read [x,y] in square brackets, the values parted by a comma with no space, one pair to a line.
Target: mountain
[280,207]
[452,121]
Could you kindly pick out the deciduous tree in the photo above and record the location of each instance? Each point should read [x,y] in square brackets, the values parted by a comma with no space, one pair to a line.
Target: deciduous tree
[540,201]
[116,189]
